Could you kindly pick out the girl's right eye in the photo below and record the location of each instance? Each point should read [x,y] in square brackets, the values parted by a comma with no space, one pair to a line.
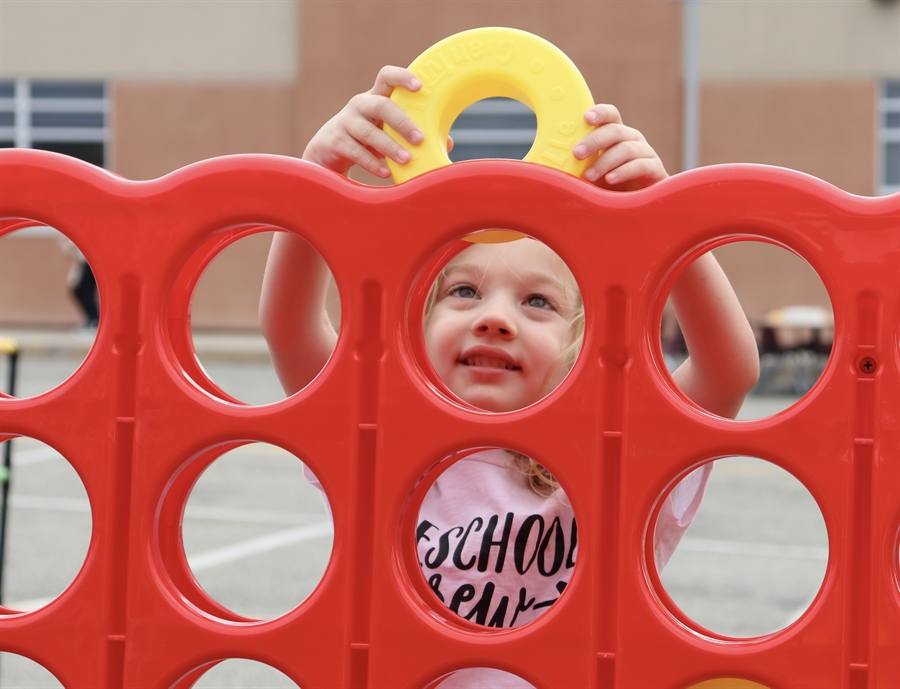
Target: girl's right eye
[463,291]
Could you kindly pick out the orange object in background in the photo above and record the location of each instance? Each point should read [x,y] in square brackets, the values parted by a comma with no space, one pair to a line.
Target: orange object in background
[139,420]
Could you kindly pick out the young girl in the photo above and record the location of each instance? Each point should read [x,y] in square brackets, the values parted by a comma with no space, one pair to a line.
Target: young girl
[496,535]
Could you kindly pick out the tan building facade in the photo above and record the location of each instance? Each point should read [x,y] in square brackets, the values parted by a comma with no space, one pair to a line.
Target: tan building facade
[805,85]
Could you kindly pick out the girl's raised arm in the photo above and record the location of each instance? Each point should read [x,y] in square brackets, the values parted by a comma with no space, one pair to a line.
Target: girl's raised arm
[723,364]
[723,361]
[292,312]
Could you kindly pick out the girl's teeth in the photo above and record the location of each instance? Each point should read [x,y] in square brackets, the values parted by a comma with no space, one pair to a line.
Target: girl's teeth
[488,363]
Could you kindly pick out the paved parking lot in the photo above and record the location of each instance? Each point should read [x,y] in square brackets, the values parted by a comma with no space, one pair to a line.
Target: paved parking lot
[258,539]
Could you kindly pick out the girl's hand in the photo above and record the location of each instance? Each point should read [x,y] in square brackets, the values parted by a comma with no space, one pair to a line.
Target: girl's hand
[354,136]
[627,162]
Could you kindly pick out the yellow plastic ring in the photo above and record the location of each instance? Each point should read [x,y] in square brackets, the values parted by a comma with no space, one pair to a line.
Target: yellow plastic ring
[483,63]
[728,683]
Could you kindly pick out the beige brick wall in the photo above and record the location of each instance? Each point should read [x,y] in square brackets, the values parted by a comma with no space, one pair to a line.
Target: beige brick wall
[785,83]
[823,128]
[793,40]
[162,127]
[211,40]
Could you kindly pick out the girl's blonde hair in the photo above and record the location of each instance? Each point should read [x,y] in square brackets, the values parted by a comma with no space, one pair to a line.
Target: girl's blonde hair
[536,476]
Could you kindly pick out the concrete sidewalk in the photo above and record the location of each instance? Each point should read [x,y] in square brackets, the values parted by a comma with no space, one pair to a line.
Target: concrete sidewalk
[75,343]
[238,362]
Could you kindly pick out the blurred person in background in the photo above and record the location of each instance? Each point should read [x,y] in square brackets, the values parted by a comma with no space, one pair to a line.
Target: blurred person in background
[82,285]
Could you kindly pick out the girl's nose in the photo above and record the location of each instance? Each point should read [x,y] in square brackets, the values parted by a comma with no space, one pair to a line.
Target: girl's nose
[495,320]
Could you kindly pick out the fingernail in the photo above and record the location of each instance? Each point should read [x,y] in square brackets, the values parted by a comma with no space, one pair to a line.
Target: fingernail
[383,171]
[403,156]
[591,117]
[415,84]
[612,178]
[590,174]
[580,151]
[416,137]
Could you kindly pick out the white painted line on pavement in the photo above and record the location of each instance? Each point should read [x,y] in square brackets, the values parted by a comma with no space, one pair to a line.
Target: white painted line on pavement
[231,514]
[255,546]
[234,514]
[794,552]
[221,556]
[224,514]
[41,502]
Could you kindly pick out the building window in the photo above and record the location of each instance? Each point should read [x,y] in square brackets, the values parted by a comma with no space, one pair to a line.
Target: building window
[493,128]
[68,117]
[889,138]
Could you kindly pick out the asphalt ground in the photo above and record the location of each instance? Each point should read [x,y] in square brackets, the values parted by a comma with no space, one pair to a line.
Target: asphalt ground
[258,539]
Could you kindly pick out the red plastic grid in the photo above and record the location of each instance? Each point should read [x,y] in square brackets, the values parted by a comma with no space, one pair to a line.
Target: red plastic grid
[139,420]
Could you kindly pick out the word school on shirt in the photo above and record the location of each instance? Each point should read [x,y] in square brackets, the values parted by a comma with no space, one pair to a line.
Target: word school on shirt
[533,561]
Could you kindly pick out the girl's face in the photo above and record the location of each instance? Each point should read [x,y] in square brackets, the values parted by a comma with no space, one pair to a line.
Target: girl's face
[500,323]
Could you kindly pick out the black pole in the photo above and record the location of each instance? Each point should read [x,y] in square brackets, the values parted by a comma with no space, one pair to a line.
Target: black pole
[5,470]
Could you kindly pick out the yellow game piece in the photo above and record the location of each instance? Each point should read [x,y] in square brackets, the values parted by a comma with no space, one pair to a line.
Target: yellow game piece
[729,683]
[483,63]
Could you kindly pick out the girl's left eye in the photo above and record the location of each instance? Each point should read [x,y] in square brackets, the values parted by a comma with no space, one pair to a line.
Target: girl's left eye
[539,301]
[463,291]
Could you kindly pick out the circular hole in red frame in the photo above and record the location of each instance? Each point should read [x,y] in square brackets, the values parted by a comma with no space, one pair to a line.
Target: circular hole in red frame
[479,677]
[49,525]
[489,539]
[489,336]
[214,325]
[742,557]
[243,673]
[790,313]
[244,534]
[49,307]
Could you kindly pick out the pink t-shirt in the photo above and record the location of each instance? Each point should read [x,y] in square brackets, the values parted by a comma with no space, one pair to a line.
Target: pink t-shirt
[492,549]
[498,554]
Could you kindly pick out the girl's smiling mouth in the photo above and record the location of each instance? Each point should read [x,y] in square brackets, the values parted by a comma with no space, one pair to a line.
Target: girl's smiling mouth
[488,358]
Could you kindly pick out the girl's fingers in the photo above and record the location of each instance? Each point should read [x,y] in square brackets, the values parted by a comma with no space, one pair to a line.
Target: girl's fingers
[343,153]
[390,77]
[647,170]
[344,142]
[351,149]
[605,137]
[383,110]
[602,114]
[355,135]
[625,162]
[363,131]
[618,154]
[625,156]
